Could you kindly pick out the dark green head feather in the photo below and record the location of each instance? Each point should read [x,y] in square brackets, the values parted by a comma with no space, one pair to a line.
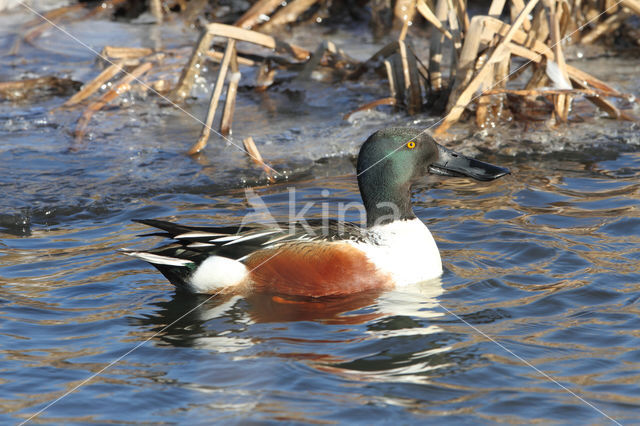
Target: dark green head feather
[389,162]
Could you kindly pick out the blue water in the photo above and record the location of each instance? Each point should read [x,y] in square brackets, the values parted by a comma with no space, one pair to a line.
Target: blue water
[535,319]
[543,263]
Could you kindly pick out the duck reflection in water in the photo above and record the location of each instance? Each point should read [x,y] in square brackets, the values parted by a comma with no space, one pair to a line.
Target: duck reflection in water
[189,320]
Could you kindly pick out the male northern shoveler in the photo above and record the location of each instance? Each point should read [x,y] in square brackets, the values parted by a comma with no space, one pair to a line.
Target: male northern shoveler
[394,249]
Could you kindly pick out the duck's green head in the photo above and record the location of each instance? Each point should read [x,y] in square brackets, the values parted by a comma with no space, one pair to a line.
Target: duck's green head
[392,159]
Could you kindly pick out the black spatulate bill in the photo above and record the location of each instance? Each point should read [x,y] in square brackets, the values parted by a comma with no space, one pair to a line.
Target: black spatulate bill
[451,163]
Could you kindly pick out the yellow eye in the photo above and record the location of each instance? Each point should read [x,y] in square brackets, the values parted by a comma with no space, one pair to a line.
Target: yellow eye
[411,144]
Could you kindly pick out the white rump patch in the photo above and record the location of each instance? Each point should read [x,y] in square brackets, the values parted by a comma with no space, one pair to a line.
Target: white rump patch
[157,259]
[216,273]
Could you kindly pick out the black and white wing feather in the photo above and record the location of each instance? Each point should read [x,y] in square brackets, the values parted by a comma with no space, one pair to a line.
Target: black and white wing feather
[238,242]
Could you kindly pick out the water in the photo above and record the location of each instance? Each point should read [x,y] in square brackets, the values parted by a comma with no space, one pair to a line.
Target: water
[543,262]
[534,319]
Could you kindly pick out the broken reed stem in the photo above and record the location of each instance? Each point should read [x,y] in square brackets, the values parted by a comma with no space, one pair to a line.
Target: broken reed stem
[561,103]
[185,83]
[95,84]
[538,76]
[501,76]
[609,25]
[264,77]
[404,11]
[392,85]
[287,14]
[484,102]
[427,14]
[537,50]
[496,8]
[217,57]
[435,48]
[123,86]
[403,31]
[260,8]
[564,17]
[215,96]
[599,101]
[253,152]
[516,9]
[411,79]
[465,97]
[232,91]
[52,18]
[467,59]
[451,21]
[371,105]
[230,104]
[578,77]
[544,92]
[460,7]
[405,65]
[455,32]
[398,78]
[416,88]
[539,28]
[633,5]
[155,7]
[56,13]
[192,67]
[457,46]
[117,52]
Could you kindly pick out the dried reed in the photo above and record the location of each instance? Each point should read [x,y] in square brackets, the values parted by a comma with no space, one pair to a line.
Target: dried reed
[467,67]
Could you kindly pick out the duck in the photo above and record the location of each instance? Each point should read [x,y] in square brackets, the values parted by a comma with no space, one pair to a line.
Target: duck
[325,258]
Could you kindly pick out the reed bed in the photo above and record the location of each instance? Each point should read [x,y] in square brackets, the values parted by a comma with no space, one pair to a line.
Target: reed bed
[484,65]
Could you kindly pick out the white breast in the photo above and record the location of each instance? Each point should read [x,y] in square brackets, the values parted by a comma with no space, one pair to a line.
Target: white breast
[406,250]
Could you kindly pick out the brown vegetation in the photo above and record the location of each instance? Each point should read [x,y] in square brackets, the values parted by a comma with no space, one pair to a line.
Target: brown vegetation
[486,56]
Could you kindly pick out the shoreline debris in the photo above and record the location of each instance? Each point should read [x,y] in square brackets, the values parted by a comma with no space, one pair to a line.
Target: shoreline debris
[484,64]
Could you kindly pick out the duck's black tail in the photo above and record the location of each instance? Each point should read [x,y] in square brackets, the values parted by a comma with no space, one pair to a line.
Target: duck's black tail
[175,269]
